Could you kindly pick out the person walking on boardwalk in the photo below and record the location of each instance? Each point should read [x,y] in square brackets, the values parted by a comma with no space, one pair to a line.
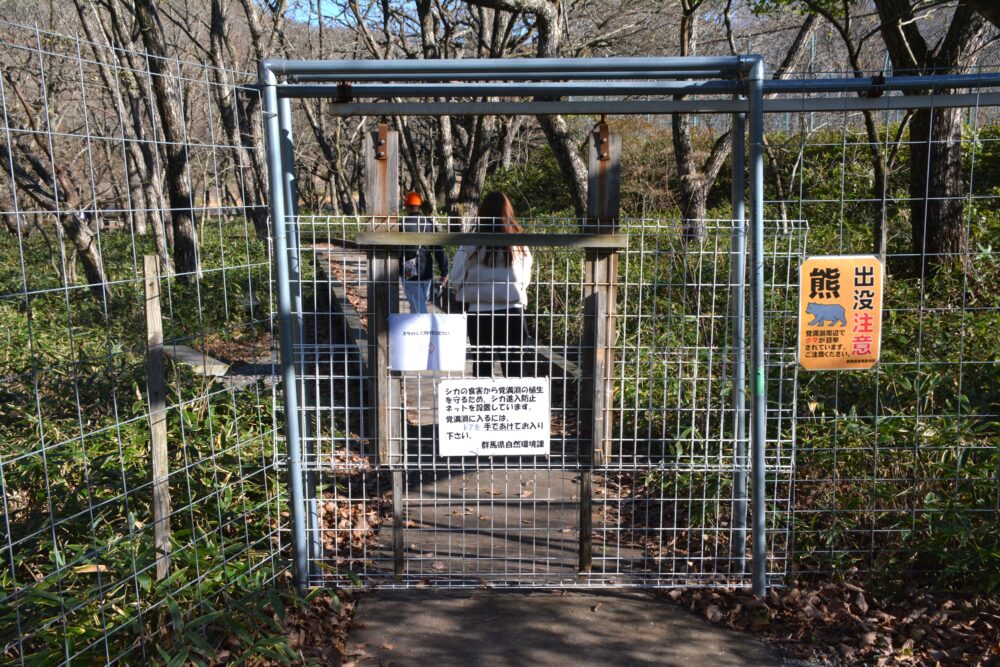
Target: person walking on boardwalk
[416,264]
[492,283]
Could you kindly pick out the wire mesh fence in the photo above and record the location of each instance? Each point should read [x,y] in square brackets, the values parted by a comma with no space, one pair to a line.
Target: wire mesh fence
[897,468]
[663,501]
[83,200]
[891,470]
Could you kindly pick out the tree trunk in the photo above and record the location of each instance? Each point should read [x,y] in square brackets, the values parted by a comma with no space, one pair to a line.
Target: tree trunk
[85,243]
[509,127]
[692,184]
[253,191]
[129,107]
[474,175]
[937,193]
[413,163]
[176,148]
[548,15]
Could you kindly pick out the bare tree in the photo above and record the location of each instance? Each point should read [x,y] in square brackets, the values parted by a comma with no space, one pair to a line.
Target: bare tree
[142,157]
[549,25]
[37,172]
[990,9]
[175,143]
[238,120]
[696,179]
[937,193]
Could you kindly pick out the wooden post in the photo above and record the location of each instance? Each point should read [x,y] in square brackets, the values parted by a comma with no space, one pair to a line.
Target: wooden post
[382,197]
[156,391]
[600,280]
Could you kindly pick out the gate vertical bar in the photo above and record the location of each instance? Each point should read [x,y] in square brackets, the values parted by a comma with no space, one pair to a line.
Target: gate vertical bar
[738,276]
[274,138]
[758,432]
[600,277]
[382,165]
[291,195]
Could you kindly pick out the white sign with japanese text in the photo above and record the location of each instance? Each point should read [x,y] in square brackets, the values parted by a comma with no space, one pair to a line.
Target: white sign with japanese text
[426,342]
[495,417]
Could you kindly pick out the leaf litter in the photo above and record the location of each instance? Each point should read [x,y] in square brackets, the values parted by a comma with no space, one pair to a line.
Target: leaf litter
[842,624]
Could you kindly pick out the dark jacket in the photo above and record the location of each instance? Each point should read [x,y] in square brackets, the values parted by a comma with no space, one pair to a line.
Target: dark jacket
[422,254]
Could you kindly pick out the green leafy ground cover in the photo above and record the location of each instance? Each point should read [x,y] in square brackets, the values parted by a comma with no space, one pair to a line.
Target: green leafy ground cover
[78,579]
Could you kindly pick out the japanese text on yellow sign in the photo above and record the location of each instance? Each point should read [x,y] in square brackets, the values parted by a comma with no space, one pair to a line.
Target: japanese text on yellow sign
[840,312]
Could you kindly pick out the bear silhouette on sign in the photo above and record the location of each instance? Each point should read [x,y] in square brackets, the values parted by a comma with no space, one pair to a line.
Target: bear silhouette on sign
[826,314]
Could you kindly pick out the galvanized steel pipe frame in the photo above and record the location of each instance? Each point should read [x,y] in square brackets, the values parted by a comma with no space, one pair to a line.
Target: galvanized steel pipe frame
[622,83]
[738,272]
[746,72]
[758,398]
[741,68]
[275,140]
[492,68]
[311,500]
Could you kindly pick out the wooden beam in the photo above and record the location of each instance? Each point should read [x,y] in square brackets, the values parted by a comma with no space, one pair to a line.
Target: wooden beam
[382,197]
[599,289]
[397,239]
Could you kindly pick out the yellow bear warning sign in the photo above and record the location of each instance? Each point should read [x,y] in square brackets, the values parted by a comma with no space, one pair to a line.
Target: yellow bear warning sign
[840,312]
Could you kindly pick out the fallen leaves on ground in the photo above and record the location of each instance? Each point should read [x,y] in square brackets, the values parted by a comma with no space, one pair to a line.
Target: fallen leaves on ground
[845,624]
[317,631]
[349,530]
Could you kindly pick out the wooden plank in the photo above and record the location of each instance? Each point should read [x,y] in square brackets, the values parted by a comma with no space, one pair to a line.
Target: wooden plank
[382,162]
[382,198]
[199,362]
[378,352]
[396,239]
[586,521]
[603,184]
[600,279]
[382,184]
[398,558]
[157,397]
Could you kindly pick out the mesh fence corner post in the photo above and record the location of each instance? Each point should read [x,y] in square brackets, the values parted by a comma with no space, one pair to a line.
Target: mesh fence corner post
[758,429]
[273,132]
[738,278]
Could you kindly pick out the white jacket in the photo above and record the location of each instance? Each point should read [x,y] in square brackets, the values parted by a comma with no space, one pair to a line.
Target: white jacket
[484,288]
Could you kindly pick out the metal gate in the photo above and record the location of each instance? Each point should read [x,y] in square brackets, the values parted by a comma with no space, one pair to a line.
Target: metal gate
[661,507]
[640,328]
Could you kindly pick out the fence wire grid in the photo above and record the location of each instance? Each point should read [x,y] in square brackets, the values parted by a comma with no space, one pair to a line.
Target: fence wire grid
[663,500]
[894,470]
[83,200]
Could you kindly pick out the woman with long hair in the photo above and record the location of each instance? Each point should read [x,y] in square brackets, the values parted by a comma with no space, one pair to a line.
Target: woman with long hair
[492,282]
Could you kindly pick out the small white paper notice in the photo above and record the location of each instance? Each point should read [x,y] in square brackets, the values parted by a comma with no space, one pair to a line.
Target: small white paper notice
[497,417]
[426,342]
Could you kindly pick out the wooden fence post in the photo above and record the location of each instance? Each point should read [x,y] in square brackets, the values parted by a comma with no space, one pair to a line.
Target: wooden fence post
[156,391]
[382,197]
[599,284]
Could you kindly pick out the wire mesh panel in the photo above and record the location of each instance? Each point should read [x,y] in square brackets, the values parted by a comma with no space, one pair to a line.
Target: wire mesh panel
[662,502]
[898,468]
[85,577]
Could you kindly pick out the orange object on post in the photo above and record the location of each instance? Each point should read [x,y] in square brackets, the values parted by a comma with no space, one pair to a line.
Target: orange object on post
[840,312]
